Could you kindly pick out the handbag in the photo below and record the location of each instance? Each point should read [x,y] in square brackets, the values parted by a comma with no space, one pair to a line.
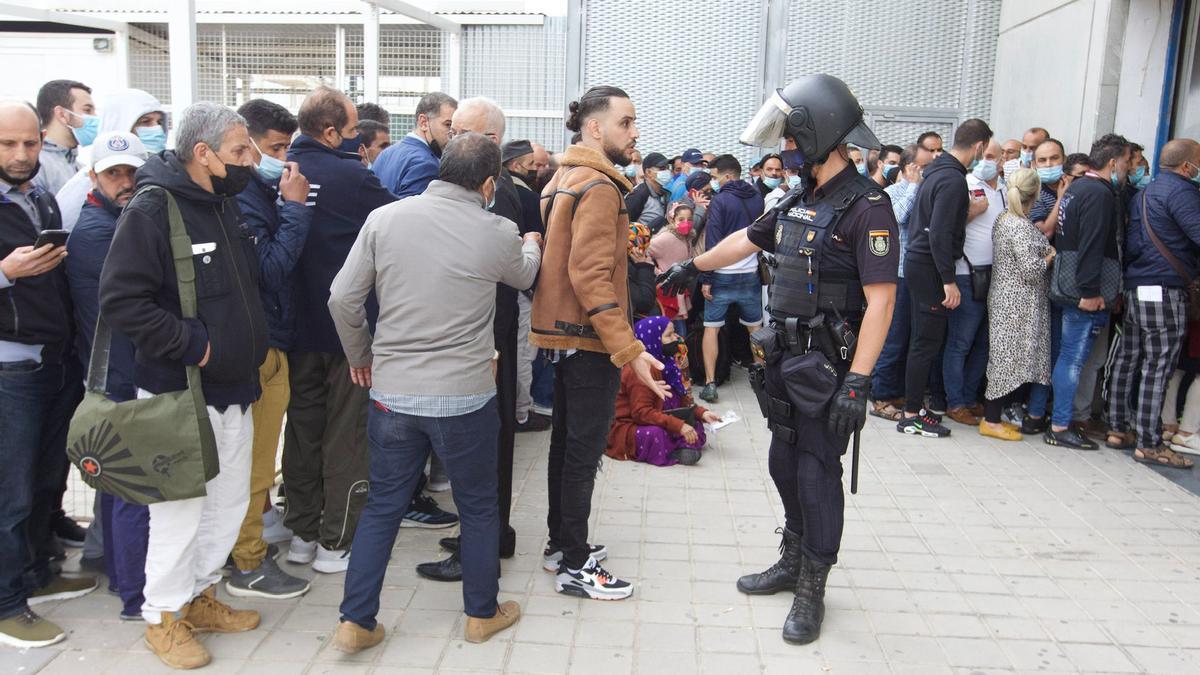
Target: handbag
[1193,284]
[148,450]
[981,280]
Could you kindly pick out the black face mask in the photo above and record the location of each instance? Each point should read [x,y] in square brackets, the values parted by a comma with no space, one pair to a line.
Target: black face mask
[435,147]
[236,179]
[14,181]
[350,144]
[671,348]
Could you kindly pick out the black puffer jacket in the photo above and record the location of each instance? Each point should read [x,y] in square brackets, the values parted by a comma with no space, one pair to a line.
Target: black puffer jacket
[139,293]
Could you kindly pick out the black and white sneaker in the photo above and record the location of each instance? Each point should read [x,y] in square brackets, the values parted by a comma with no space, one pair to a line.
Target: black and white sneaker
[424,513]
[925,424]
[591,582]
[551,557]
[268,581]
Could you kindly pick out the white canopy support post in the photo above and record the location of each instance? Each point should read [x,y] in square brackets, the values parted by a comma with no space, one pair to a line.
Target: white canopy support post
[371,53]
[414,12]
[454,64]
[181,37]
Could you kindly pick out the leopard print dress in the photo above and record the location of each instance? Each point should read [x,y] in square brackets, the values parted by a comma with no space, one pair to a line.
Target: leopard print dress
[1018,307]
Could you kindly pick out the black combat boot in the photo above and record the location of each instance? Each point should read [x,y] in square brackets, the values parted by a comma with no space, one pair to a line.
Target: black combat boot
[778,577]
[803,623]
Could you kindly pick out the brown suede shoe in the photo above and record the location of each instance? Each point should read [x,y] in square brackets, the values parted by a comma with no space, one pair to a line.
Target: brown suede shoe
[173,642]
[207,614]
[963,416]
[976,410]
[351,637]
[479,630]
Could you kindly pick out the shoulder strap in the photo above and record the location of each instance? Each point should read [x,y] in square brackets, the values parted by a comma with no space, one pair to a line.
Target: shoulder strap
[1171,259]
[185,274]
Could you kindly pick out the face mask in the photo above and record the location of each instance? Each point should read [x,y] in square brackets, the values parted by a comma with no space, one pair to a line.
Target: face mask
[671,348]
[1196,178]
[268,167]
[771,182]
[716,187]
[435,147]
[1010,167]
[86,135]
[350,144]
[1116,181]
[793,181]
[1026,158]
[986,170]
[1142,182]
[237,177]
[663,176]
[695,169]
[683,227]
[12,180]
[1050,174]
[630,171]
[154,138]
[492,201]
[889,171]
[1137,175]
[862,168]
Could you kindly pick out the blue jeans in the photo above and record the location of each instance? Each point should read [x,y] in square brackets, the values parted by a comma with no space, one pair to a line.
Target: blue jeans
[964,360]
[36,404]
[887,382]
[399,445]
[542,389]
[1039,394]
[126,538]
[743,290]
[1079,331]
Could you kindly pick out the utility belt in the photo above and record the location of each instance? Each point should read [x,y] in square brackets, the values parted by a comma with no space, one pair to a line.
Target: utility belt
[810,356]
[566,329]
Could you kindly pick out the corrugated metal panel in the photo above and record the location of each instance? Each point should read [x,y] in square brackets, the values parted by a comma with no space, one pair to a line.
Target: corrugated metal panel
[692,70]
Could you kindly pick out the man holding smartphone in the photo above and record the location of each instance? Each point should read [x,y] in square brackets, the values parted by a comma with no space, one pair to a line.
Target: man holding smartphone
[40,385]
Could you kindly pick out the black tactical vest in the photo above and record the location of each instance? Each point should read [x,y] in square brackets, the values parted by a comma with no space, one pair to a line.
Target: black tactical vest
[803,238]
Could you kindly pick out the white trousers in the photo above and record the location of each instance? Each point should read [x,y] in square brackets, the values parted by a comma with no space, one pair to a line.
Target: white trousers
[190,539]
[526,353]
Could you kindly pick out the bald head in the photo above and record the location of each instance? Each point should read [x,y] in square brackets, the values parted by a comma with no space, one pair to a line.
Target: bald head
[480,115]
[1178,152]
[20,142]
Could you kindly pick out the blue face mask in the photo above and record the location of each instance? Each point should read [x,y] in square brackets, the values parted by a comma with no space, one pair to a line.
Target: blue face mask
[716,187]
[86,134]
[154,138]
[630,171]
[862,168]
[1026,158]
[889,171]
[270,168]
[1116,182]
[771,182]
[1196,178]
[695,170]
[1050,174]
[663,176]
[793,181]
[1142,182]
[986,170]
[1137,175]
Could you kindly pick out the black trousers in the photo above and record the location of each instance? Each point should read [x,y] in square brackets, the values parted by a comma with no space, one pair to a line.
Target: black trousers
[585,400]
[504,330]
[928,332]
[807,472]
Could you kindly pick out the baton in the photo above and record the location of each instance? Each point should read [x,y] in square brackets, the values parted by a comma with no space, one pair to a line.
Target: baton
[854,465]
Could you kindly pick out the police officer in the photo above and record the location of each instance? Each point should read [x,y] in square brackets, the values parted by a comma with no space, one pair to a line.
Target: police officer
[834,241]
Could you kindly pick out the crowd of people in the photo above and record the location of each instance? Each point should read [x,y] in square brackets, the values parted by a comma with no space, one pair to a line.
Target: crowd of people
[1039,292]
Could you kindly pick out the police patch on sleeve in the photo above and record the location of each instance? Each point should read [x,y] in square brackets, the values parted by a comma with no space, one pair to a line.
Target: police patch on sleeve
[881,242]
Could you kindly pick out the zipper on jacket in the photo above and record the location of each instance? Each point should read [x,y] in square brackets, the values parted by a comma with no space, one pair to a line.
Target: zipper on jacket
[12,301]
[233,262]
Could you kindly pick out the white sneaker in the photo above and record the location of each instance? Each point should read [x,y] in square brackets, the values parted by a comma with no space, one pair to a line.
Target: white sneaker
[274,531]
[301,552]
[1186,444]
[331,562]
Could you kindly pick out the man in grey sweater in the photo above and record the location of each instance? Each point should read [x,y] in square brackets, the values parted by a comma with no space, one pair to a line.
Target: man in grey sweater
[434,261]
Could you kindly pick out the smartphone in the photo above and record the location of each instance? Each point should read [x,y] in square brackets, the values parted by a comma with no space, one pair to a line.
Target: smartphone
[977,193]
[55,237]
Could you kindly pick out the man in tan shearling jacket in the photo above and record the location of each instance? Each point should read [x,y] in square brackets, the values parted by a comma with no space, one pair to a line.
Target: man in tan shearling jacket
[581,312]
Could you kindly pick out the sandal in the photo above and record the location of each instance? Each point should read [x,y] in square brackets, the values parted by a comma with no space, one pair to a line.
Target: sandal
[1125,440]
[886,410]
[1162,457]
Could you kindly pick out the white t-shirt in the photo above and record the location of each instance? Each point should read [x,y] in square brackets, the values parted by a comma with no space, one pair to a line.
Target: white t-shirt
[977,244]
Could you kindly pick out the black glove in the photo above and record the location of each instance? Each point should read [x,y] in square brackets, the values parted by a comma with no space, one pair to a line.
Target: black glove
[848,412]
[680,278]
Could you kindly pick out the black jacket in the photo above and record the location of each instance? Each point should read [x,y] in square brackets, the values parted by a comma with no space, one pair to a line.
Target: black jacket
[938,222]
[1089,221]
[139,293]
[35,310]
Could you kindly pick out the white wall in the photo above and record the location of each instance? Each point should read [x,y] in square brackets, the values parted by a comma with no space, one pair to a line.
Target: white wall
[52,56]
[1143,61]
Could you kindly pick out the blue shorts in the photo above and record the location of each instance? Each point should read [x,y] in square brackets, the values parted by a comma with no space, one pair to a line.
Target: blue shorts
[742,290]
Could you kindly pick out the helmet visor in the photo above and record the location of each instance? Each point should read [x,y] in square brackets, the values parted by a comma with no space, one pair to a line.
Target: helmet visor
[768,124]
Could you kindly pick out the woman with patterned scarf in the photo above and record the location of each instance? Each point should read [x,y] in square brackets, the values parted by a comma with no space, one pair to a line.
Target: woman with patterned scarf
[646,428]
[643,294]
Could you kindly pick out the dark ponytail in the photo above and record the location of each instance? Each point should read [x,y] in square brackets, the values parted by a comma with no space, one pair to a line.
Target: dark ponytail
[593,101]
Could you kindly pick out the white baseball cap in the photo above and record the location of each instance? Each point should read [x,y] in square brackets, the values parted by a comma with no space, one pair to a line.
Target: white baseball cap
[117,148]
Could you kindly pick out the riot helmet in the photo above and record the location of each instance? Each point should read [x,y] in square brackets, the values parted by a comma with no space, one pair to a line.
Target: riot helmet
[819,112]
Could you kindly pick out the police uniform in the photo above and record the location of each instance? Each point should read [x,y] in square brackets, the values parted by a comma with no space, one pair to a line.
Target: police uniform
[846,234]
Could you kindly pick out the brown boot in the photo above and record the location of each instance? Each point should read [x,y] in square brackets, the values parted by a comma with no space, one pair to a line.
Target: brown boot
[351,637]
[174,644]
[207,614]
[479,630]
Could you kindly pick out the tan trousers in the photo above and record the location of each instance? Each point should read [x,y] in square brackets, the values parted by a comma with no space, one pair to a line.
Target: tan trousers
[250,549]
